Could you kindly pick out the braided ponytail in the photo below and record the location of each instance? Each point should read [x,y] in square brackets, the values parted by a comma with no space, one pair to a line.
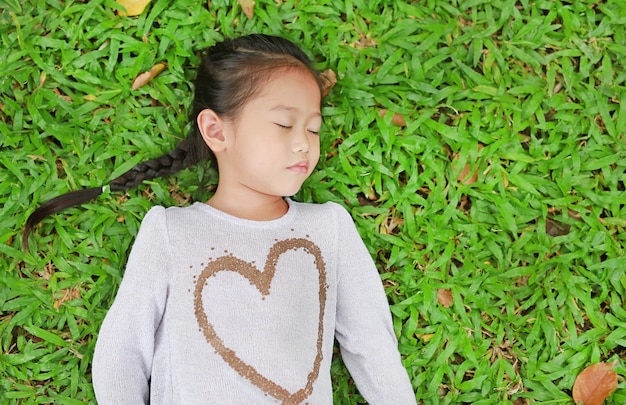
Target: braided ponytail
[230,74]
[181,157]
[172,162]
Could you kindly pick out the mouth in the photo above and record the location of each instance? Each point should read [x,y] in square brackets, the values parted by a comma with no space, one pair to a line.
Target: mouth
[300,167]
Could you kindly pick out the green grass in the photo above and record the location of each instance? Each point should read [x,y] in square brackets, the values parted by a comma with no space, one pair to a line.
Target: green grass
[530,94]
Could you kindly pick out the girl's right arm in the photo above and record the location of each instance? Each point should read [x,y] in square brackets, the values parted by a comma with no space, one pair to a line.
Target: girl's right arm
[122,361]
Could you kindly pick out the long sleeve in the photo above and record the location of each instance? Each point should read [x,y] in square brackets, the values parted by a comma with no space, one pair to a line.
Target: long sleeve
[122,361]
[363,325]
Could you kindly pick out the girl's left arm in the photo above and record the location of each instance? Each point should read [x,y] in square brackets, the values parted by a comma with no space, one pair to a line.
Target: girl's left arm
[364,330]
[122,363]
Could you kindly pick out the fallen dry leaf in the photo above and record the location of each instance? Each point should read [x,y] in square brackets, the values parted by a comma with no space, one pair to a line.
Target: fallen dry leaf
[556,228]
[397,119]
[63,96]
[145,77]
[389,226]
[505,180]
[329,79]
[248,8]
[133,7]
[444,297]
[466,175]
[425,338]
[594,384]
[42,80]
[68,295]
[363,42]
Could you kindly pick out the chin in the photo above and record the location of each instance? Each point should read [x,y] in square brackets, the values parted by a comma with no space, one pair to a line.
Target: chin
[291,192]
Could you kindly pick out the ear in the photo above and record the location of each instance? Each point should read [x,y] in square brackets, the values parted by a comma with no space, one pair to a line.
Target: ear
[212,129]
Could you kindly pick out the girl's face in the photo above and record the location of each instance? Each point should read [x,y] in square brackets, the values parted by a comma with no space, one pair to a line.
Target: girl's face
[273,144]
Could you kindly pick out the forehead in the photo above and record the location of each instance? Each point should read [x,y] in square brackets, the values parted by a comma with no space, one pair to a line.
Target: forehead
[291,84]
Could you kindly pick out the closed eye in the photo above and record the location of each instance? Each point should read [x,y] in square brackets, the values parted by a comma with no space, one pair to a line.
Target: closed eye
[283,126]
[314,132]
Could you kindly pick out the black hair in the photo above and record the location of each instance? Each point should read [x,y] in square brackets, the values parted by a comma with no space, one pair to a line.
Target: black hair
[231,73]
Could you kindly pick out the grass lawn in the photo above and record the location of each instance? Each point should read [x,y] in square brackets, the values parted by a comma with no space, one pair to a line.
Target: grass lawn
[491,193]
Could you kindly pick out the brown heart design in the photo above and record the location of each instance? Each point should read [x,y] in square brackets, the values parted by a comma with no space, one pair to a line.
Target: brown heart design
[262,280]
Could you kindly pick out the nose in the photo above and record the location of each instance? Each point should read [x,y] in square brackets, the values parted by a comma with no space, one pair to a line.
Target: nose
[301,143]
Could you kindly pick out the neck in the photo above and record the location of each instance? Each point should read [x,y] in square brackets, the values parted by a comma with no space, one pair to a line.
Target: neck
[259,208]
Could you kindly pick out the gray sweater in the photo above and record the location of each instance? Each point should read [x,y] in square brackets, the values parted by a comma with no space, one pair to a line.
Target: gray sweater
[215,309]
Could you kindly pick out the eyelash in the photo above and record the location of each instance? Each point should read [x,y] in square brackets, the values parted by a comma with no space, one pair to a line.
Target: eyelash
[289,127]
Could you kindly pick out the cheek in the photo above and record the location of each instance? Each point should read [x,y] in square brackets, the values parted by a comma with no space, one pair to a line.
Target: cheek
[314,142]
[315,149]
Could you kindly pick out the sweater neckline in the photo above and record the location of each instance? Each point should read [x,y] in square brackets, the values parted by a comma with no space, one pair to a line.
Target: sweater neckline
[249,222]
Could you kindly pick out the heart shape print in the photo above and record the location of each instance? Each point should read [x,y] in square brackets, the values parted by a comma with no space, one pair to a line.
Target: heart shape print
[262,280]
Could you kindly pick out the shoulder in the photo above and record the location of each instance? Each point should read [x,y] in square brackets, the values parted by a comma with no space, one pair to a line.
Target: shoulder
[329,210]
[154,218]
[171,213]
[160,218]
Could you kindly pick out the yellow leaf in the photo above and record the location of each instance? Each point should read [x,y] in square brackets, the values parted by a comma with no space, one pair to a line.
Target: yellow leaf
[425,338]
[42,80]
[248,7]
[595,384]
[133,7]
[145,77]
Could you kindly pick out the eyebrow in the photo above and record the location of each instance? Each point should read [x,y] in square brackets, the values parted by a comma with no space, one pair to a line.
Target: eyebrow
[282,107]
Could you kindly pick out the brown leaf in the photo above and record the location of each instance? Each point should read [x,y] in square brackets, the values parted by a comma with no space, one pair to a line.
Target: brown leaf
[556,228]
[68,295]
[145,77]
[391,223]
[444,297]
[397,119]
[63,96]
[594,384]
[248,8]
[466,175]
[329,79]
[133,7]
[364,42]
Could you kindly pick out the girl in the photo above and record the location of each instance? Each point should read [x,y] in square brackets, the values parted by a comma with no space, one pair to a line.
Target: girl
[239,300]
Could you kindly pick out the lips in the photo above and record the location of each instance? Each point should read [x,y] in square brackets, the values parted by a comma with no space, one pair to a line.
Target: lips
[300,167]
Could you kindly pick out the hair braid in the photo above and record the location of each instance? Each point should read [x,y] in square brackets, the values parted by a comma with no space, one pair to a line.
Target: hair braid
[181,157]
[172,162]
